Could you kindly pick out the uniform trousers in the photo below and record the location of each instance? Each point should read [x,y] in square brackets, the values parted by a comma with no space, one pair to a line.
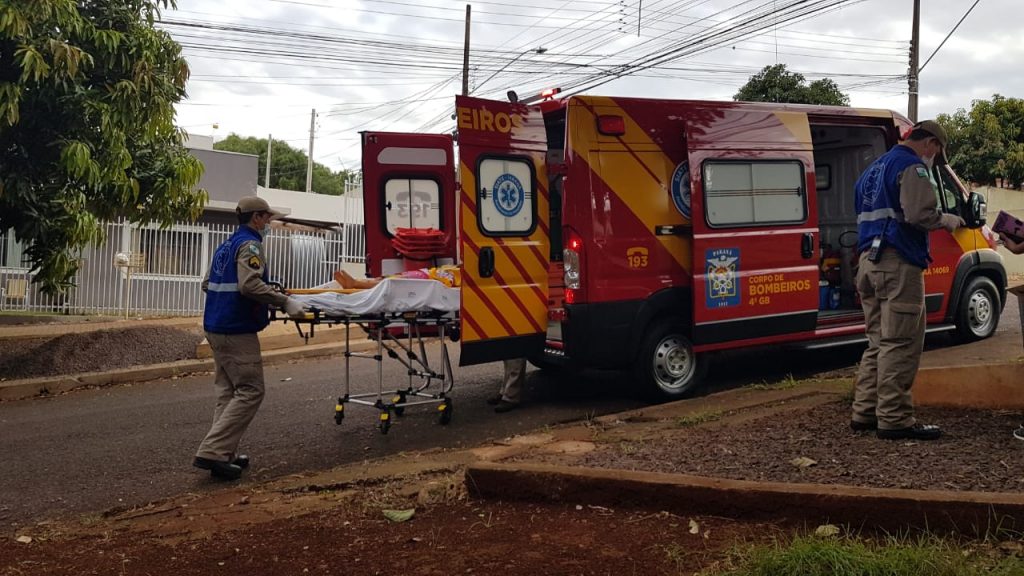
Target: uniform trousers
[515,377]
[892,295]
[240,389]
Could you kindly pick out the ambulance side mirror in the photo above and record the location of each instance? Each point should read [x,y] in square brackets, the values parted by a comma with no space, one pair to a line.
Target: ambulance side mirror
[976,211]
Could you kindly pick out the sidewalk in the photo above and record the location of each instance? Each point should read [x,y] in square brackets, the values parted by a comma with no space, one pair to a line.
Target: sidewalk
[280,342]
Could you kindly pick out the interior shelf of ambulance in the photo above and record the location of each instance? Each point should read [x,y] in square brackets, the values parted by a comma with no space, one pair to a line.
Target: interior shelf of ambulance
[841,153]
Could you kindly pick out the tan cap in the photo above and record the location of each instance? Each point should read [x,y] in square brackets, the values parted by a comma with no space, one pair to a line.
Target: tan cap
[255,204]
[935,129]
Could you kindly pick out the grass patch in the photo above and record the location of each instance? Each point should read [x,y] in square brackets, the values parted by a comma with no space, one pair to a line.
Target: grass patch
[785,384]
[853,556]
[698,418]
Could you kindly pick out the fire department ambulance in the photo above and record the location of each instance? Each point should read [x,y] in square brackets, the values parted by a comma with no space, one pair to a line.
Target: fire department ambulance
[630,233]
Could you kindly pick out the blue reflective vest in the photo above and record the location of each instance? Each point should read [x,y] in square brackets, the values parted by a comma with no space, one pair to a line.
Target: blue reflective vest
[878,201]
[227,311]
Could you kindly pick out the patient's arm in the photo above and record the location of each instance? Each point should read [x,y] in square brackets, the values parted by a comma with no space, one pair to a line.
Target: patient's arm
[347,281]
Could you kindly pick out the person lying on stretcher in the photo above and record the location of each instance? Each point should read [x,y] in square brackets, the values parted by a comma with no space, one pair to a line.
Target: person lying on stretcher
[448,275]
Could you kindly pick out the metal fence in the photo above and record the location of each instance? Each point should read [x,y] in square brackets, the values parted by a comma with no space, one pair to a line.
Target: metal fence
[166,267]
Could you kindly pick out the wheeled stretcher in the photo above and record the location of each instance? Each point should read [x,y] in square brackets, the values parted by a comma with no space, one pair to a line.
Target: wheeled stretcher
[399,314]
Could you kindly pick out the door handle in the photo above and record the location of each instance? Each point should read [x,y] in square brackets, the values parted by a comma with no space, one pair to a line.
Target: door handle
[807,245]
[486,262]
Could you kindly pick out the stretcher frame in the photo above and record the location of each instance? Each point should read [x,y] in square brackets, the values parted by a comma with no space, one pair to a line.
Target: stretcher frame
[411,353]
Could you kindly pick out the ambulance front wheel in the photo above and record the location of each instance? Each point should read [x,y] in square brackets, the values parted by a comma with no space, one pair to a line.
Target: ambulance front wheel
[977,315]
[667,365]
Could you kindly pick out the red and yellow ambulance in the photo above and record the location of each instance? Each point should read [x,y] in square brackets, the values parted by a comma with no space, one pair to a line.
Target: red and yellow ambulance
[614,233]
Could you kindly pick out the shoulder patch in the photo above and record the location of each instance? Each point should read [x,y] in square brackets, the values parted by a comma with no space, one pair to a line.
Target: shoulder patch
[922,172]
[255,263]
[254,249]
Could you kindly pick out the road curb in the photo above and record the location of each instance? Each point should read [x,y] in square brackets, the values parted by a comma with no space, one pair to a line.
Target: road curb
[973,513]
[979,386]
[31,387]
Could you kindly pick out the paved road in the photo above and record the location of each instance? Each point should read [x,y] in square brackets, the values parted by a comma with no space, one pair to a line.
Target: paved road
[93,450]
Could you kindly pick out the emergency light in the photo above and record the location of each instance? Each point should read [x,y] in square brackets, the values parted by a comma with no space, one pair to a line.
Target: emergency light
[611,125]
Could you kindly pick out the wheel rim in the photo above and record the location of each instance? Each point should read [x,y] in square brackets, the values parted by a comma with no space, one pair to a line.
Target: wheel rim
[980,313]
[673,363]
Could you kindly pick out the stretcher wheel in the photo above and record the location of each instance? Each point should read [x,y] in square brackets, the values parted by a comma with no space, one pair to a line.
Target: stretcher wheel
[446,411]
[399,399]
[339,412]
[385,421]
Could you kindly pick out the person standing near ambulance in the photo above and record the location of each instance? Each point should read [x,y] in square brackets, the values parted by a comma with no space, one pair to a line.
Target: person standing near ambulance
[237,308]
[896,208]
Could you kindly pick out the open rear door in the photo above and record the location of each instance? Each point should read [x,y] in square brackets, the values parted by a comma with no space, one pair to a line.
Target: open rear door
[504,229]
[408,182]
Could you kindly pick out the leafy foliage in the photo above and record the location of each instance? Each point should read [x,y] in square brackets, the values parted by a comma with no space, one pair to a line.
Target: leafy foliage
[288,165]
[87,94]
[776,84]
[987,142]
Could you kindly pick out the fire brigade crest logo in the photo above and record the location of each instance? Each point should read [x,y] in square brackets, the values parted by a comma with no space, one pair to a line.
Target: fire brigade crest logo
[722,289]
[680,188]
[509,195]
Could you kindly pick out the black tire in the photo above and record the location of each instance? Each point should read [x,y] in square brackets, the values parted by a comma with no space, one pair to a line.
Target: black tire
[977,313]
[667,366]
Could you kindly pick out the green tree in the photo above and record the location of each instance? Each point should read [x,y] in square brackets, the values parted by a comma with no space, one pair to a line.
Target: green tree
[87,94]
[776,84]
[288,165]
[985,142]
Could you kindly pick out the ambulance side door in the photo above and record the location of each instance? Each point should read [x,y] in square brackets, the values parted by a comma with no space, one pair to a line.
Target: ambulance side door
[408,182]
[755,228]
[503,229]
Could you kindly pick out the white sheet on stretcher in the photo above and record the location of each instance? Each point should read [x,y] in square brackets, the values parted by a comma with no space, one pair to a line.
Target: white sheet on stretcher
[392,295]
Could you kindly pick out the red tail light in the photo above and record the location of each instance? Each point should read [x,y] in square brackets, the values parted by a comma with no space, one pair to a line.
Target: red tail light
[572,263]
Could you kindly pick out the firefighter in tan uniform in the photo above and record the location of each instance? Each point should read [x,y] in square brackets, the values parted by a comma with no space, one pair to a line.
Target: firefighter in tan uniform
[237,308]
[896,208]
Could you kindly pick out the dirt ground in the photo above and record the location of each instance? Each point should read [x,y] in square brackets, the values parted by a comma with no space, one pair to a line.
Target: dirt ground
[93,351]
[349,534]
[976,452]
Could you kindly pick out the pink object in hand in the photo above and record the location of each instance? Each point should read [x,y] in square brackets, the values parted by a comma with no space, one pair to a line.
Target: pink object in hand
[1008,224]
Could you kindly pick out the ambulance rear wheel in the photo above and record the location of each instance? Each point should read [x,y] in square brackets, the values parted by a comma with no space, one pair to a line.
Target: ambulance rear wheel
[667,365]
[978,313]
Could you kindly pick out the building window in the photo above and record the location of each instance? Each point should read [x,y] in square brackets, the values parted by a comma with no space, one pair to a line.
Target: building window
[412,203]
[754,193]
[12,253]
[177,252]
[506,205]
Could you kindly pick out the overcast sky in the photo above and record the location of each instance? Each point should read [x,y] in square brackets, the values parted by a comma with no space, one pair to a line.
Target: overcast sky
[259,66]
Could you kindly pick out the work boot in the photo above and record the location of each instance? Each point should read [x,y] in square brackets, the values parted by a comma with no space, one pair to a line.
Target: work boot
[915,432]
[505,406]
[858,426]
[1019,433]
[494,400]
[242,461]
[218,468]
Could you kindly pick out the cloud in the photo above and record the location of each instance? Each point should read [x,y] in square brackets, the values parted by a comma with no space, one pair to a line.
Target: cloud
[352,86]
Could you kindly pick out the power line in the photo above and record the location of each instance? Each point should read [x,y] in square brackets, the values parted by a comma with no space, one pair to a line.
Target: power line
[941,44]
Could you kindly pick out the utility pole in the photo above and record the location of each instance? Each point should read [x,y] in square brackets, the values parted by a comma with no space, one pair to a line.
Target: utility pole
[465,56]
[266,174]
[915,54]
[309,164]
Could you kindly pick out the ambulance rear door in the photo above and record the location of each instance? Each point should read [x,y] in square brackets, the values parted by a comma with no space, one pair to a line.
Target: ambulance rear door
[504,229]
[755,226]
[408,182]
